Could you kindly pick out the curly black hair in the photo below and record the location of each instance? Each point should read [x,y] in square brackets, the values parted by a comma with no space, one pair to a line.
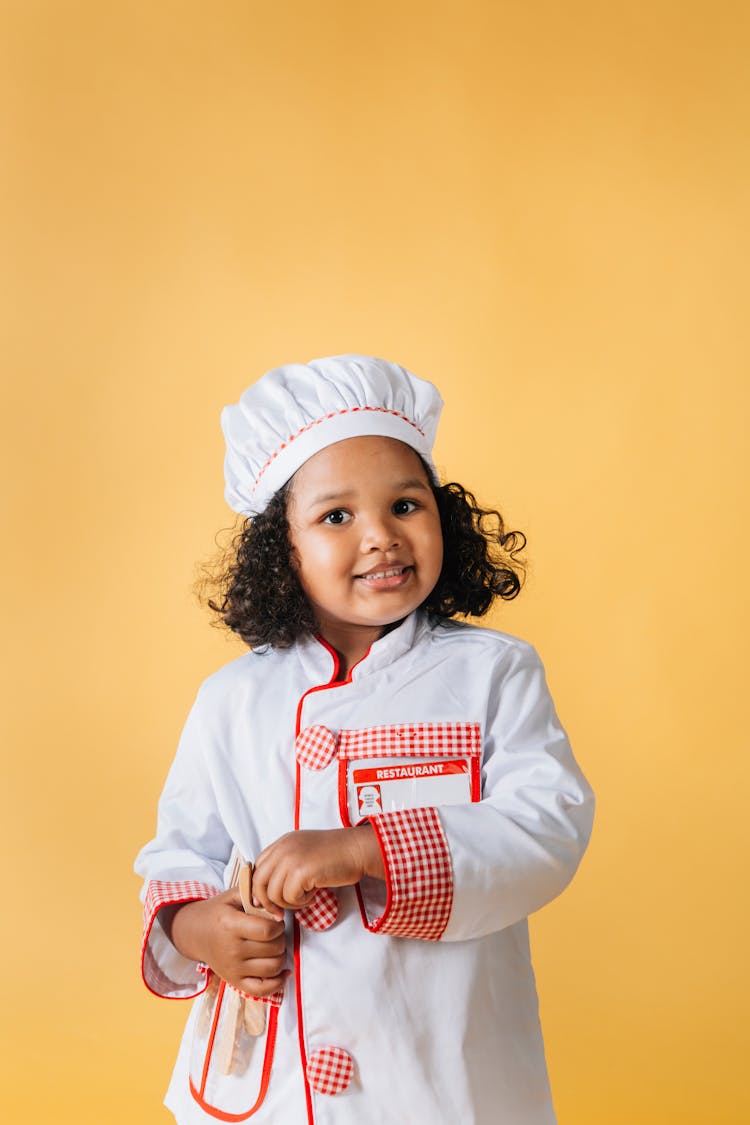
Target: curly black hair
[254,591]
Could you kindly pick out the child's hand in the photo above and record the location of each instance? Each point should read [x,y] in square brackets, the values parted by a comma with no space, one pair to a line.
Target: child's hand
[243,949]
[289,872]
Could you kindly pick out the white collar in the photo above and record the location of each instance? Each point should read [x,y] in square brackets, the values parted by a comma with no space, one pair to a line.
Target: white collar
[318,658]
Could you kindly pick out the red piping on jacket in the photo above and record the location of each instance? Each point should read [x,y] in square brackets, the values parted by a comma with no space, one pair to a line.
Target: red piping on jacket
[199,1095]
[332,683]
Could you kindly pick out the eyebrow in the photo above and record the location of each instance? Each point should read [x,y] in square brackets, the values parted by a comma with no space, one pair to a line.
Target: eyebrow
[328,497]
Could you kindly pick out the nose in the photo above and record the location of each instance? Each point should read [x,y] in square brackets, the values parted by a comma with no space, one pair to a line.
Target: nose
[380,532]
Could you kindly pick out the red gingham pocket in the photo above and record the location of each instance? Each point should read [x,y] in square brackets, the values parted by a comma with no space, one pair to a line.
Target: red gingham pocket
[330,1070]
[321,913]
[315,747]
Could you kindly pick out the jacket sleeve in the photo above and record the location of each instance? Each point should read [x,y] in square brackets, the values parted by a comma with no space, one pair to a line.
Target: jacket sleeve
[463,871]
[185,861]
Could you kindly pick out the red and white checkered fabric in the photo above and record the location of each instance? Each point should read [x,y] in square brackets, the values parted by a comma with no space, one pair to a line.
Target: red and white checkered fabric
[158,894]
[315,747]
[321,913]
[275,998]
[330,1070]
[418,873]
[407,739]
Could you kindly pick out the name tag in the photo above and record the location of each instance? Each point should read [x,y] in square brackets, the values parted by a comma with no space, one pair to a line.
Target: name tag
[411,785]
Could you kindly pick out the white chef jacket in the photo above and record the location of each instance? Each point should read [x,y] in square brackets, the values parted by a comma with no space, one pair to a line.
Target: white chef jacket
[411,1001]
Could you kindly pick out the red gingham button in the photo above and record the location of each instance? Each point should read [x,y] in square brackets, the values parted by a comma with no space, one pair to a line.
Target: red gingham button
[315,747]
[330,1070]
[321,913]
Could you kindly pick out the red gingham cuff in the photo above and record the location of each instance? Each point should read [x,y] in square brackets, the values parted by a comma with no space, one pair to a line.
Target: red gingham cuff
[418,873]
[165,971]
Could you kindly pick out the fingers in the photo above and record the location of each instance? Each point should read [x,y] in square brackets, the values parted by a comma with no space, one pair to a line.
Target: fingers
[232,898]
[263,901]
[290,870]
[265,968]
[262,963]
[241,927]
[267,882]
[283,892]
[260,987]
[282,879]
[248,950]
[262,967]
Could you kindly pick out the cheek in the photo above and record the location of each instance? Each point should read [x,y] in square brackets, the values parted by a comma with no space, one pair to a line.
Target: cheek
[318,561]
[438,565]
[435,547]
[431,559]
[325,558]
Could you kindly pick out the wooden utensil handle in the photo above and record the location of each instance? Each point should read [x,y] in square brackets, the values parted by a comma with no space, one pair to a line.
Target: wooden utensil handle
[246,893]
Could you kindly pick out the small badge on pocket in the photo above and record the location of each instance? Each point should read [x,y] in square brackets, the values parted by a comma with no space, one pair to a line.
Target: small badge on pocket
[369,796]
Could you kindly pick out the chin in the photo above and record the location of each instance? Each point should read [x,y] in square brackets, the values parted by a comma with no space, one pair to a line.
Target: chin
[394,617]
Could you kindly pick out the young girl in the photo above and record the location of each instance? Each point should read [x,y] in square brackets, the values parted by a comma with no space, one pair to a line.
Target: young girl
[399,779]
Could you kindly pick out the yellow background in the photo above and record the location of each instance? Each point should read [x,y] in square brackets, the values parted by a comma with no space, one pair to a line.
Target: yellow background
[542,208]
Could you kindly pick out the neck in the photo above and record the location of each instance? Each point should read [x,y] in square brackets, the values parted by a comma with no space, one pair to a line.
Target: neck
[351,643]
[350,653]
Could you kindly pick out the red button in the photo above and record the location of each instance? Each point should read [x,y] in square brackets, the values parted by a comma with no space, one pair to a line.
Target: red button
[330,1070]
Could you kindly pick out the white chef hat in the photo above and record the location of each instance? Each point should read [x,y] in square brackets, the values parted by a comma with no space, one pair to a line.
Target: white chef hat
[294,411]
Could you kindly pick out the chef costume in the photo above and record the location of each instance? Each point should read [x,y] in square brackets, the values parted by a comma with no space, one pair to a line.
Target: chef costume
[411,1000]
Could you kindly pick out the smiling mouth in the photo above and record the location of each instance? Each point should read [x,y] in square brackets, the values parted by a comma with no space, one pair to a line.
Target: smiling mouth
[388,576]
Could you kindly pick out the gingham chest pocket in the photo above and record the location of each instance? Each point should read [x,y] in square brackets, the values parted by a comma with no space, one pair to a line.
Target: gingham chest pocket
[407,766]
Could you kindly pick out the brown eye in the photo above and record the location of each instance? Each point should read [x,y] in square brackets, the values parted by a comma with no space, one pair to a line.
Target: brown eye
[336,517]
[404,507]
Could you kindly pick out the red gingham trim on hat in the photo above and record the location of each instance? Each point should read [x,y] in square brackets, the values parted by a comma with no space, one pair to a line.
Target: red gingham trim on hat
[325,418]
[330,1070]
[418,739]
[315,747]
[419,876]
[159,894]
[321,913]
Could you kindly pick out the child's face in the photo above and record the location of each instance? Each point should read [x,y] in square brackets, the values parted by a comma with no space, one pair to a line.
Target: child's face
[366,535]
